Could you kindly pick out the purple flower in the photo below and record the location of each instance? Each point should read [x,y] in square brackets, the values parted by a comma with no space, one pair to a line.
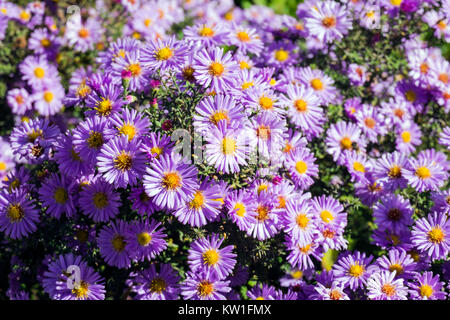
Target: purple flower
[145,240]
[112,243]
[204,286]
[354,270]
[426,286]
[382,286]
[393,212]
[57,194]
[163,54]
[400,261]
[424,174]
[241,208]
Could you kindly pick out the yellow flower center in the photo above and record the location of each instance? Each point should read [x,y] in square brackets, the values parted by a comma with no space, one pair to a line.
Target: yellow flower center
[396,267]
[302,220]
[158,285]
[156,150]
[129,130]
[396,2]
[48,96]
[205,288]
[329,22]
[45,43]
[198,201]
[346,143]
[240,209]
[305,249]
[370,123]
[388,289]
[281,55]
[119,243]
[358,166]
[100,200]
[147,22]
[15,212]
[210,257]
[423,173]
[81,290]
[83,90]
[395,172]
[206,32]
[442,25]
[34,134]
[218,116]
[39,72]
[247,85]
[123,161]
[356,270]
[301,167]
[135,69]
[83,33]
[144,238]
[301,105]
[317,84]
[263,213]
[266,103]
[262,187]
[95,140]
[61,195]
[171,181]
[188,73]
[104,107]
[24,15]
[297,274]
[263,132]
[426,290]
[244,65]
[326,216]
[335,295]
[281,202]
[436,235]
[2,166]
[410,96]
[164,54]
[216,69]
[228,146]
[243,36]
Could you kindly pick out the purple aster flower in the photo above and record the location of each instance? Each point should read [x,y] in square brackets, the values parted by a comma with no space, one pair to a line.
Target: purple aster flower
[105,100]
[328,21]
[112,243]
[38,72]
[369,191]
[351,106]
[118,48]
[42,41]
[133,65]
[206,34]
[241,208]
[99,200]
[432,235]
[121,162]
[57,194]
[424,174]
[329,211]
[89,137]
[330,237]
[382,286]
[205,254]
[444,137]
[408,136]
[156,144]
[301,252]
[322,84]
[204,286]
[266,223]
[150,284]
[371,122]
[388,170]
[353,270]
[388,239]
[83,35]
[19,101]
[69,161]
[246,39]
[400,261]
[334,292]
[436,157]
[262,99]
[201,207]
[170,182]
[215,69]
[261,292]
[130,123]
[393,212]
[302,168]
[18,215]
[441,201]
[145,240]
[426,286]
[226,148]
[357,165]
[48,100]
[163,54]
[299,221]
[141,202]
[343,136]
[410,92]
[281,54]
[357,74]
[78,87]
[213,110]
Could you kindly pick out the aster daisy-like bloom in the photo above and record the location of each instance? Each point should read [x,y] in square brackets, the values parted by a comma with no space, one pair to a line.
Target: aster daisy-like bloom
[357,165]
[215,69]
[400,261]
[369,191]
[121,162]
[141,202]
[99,200]
[57,194]
[78,87]
[201,207]
[206,34]
[163,54]
[241,208]
[48,100]
[18,215]
[328,21]
[130,123]
[204,286]
[226,148]
[170,182]
[397,112]
[301,253]
[112,243]
[19,100]
[156,144]
[334,292]
[246,39]
[441,200]
[145,240]
[206,254]
[382,285]
[302,168]
[281,54]
[408,136]
[329,211]
[388,170]
[436,157]
[83,35]
[393,212]
[343,136]
[431,235]
[322,84]
[388,239]
[266,214]
[424,174]
[37,71]
[69,160]
[89,137]
[150,284]
[261,99]
[299,221]
[212,110]
[131,67]
[42,41]
[354,270]
[105,100]
[371,122]
[330,237]
[427,287]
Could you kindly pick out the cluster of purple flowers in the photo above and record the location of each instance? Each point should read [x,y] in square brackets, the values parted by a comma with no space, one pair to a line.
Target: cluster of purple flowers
[263,108]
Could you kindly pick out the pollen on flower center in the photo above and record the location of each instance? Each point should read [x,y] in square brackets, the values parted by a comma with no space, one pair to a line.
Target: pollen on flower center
[263,213]
[326,216]
[302,220]
[281,55]
[95,139]
[358,166]
[426,290]
[396,267]
[395,172]
[198,201]
[39,72]
[34,134]
[228,146]
[164,54]
[205,288]
[247,85]
[129,130]
[346,143]
[83,33]
[188,73]
[210,257]
[263,132]
[317,84]
[100,200]
[135,69]
[388,289]
[240,209]
[301,167]
[104,107]
[370,122]
[218,116]
[243,36]
[81,290]
[118,243]
[144,238]
[158,285]
[83,90]
[335,295]
[266,103]
[423,172]
[396,2]
[48,96]
[410,96]
[171,181]
[305,249]
[206,32]
[443,77]
[15,212]
[45,43]
[123,161]
[61,195]
[301,105]
[436,235]
[329,22]
[216,69]
[356,270]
